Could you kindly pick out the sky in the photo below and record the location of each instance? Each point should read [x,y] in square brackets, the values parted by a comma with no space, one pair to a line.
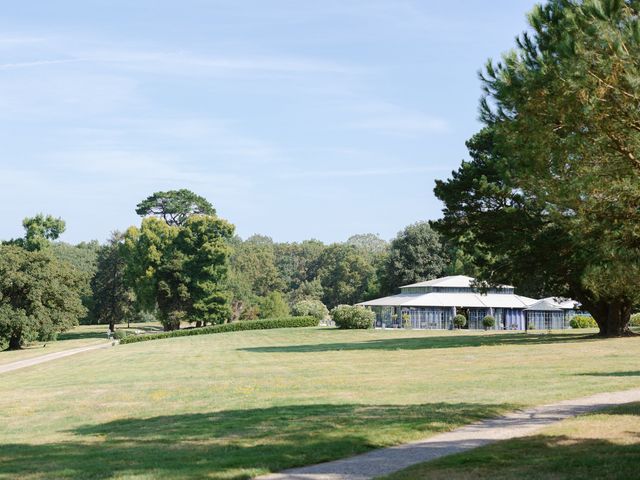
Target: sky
[297,119]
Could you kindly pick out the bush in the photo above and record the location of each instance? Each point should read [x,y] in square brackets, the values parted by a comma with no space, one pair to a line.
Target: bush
[583,321]
[459,321]
[635,320]
[406,320]
[311,308]
[273,306]
[285,322]
[347,316]
[120,334]
[488,322]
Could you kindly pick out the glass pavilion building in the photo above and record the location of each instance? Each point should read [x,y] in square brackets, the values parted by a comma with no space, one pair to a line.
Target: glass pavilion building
[434,303]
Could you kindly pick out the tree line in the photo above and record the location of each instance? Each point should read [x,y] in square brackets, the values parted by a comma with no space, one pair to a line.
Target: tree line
[185,264]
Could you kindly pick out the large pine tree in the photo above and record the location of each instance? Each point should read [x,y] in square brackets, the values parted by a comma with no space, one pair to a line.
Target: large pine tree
[552,195]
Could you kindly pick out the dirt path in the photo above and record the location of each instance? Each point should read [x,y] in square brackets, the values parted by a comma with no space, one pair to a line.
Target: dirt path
[9,367]
[516,424]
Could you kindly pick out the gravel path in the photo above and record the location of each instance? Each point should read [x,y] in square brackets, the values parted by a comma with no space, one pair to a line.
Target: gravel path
[516,424]
[9,367]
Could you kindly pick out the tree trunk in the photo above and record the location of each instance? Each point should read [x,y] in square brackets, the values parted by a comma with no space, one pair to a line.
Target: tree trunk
[112,327]
[15,342]
[612,317]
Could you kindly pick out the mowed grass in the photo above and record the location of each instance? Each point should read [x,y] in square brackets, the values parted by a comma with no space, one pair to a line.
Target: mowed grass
[239,404]
[80,336]
[605,445]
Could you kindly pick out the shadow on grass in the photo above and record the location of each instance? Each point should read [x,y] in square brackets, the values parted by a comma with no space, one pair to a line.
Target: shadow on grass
[630,373]
[82,335]
[542,457]
[424,343]
[233,444]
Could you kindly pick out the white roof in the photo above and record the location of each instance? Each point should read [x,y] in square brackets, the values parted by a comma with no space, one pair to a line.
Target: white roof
[455,281]
[435,299]
[545,305]
[563,303]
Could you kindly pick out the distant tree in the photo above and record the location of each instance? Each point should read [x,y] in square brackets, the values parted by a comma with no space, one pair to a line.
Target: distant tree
[297,263]
[416,254]
[181,270]
[39,296]
[146,251]
[175,206]
[273,305]
[84,258]
[345,274]
[113,301]
[307,291]
[203,241]
[254,262]
[369,242]
[39,232]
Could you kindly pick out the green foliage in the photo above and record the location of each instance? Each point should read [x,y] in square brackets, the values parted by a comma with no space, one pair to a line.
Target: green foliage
[285,322]
[556,168]
[416,254]
[175,206]
[406,320]
[181,270]
[635,320]
[488,322]
[459,321]
[273,305]
[353,317]
[41,230]
[120,335]
[83,257]
[369,243]
[311,308]
[39,296]
[583,321]
[113,301]
[345,274]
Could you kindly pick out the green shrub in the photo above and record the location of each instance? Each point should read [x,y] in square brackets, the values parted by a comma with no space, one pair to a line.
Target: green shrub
[311,308]
[635,320]
[488,322]
[406,320]
[120,334]
[459,321]
[583,321]
[273,306]
[347,316]
[284,322]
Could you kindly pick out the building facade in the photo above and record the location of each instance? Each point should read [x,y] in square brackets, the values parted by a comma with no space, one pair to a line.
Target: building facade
[433,305]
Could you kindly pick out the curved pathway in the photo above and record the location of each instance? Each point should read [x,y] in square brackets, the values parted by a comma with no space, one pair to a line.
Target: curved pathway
[516,424]
[9,367]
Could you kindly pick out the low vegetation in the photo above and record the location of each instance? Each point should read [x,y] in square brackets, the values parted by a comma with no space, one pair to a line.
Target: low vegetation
[583,321]
[353,317]
[284,322]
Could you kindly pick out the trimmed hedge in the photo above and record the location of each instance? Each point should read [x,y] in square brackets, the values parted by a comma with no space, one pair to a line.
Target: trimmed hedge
[267,323]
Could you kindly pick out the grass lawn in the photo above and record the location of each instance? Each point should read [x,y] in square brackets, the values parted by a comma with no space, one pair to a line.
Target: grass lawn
[605,445]
[235,405]
[80,336]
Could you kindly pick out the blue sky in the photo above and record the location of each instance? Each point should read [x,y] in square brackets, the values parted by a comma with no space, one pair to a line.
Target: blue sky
[296,119]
